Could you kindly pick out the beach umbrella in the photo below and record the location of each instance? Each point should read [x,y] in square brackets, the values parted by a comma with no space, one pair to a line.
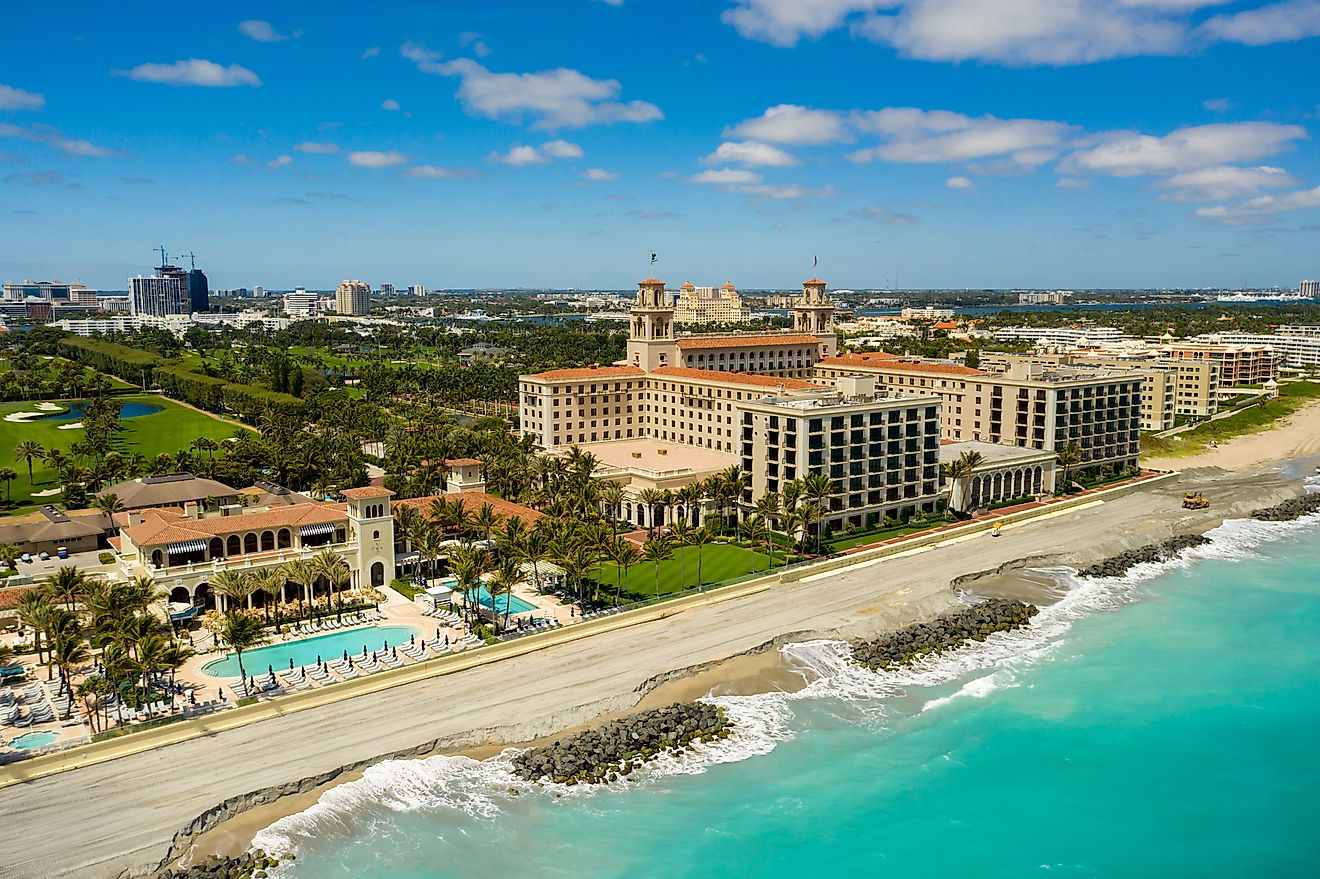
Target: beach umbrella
[345,656]
[394,653]
[271,669]
[318,659]
[412,639]
[290,663]
[387,645]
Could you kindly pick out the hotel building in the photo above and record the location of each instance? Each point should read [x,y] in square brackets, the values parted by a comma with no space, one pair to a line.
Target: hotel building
[1246,363]
[353,297]
[1297,347]
[707,305]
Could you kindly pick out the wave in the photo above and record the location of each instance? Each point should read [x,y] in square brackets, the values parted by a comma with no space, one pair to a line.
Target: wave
[482,788]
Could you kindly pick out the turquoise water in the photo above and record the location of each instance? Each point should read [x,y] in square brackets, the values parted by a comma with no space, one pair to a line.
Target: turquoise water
[28,741]
[305,651]
[75,412]
[507,602]
[1157,726]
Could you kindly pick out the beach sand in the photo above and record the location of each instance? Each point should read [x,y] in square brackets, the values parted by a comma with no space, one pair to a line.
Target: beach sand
[1297,437]
[113,828]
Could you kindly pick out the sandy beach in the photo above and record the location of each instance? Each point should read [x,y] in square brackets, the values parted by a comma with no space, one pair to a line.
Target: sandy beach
[1297,437]
[121,817]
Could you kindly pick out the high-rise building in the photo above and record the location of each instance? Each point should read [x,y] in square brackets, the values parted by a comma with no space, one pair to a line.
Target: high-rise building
[300,304]
[199,291]
[157,296]
[703,305]
[416,290]
[1309,289]
[387,289]
[258,292]
[48,291]
[353,297]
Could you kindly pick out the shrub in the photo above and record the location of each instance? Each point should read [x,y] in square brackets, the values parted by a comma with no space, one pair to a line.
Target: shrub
[106,558]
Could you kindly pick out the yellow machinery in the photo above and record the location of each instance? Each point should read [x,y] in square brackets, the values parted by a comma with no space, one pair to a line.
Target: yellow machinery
[1194,500]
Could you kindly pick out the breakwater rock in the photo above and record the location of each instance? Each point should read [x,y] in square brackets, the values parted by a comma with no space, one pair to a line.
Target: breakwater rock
[615,749]
[249,865]
[946,632]
[1291,509]
[1118,565]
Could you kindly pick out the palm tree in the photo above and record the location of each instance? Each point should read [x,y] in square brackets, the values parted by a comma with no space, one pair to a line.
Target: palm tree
[959,471]
[754,529]
[657,550]
[303,573]
[818,489]
[485,520]
[624,555]
[9,554]
[699,537]
[8,475]
[767,507]
[67,652]
[501,582]
[68,585]
[108,503]
[237,586]
[29,451]
[650,498]
[33,610]
[467,563]
[1069,457]
[680,531]
[332,566]
[270,583]
[689,496]
[242,632]
[612,496]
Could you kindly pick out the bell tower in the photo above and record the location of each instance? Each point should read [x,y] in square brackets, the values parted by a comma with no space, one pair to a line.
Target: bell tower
[651,342]
[814,315]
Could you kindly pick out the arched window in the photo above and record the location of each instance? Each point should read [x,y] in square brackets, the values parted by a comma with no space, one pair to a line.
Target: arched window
[157,558]
[377,574]
[250,543]
[284,538]
[234,545]
[217,548]
[267,540]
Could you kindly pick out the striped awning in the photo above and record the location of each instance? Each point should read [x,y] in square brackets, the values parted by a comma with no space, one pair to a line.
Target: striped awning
[186,546]
[317,530]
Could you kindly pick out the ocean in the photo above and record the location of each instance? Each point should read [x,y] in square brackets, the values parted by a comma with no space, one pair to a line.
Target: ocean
[1161,724]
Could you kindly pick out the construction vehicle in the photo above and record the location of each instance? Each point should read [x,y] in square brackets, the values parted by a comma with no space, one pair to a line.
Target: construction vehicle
[1194,500]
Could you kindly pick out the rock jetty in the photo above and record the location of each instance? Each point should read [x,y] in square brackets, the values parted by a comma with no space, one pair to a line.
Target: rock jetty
[620,747]
[254,864]
[946,632]
[1118,565]
[1289,509]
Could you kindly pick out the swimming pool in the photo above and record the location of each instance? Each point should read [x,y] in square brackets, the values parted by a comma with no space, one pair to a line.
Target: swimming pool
[506,602]
[39,739]
[75,412]
[260,660]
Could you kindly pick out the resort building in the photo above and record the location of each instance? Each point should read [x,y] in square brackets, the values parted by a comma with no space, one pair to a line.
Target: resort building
[1296,347]
[1247,363]
[1043,297]
[185,550]
[174,490]
[709,305]
[1026,405]
[1080,336]
[1004,473]
[51,530]
[660,466]
[927,313]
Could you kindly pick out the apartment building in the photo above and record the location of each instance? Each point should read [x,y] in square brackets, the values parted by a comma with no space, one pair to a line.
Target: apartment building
[184,550]
[353,297]
[881,451]
[1061,335]
[1240,363]
[702,305]
[1297,347]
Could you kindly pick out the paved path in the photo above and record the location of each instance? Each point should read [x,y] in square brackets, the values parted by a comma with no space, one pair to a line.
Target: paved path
[120,815]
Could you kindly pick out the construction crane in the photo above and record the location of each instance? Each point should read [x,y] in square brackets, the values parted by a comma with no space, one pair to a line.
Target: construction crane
[164,260]
[192,258]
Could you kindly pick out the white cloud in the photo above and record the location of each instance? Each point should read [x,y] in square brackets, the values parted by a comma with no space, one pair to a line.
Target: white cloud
[888,217]
[1261,209]
[262,31]
[1130,154]
[960,183]
[793,124]
[752,154]
[561,149]
[376,159]
[932,136]
[784,22]
[1223,182]
[16,99]
[194,71]
[52,137]
[473,39]
[318,148]
[726,177]
[389,104]
[788,190]
[279,162]
[559,98]
[1280,23]
[436,172]
[599,175]
[370,53]
[1218,105]
[1079,184]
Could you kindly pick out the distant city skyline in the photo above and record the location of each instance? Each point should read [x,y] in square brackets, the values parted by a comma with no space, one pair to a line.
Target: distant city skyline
[908,143]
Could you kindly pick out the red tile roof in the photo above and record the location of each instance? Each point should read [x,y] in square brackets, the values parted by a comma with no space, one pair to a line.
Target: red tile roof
[734,378]
[858,358]
[171,526]
[368,491]
[473,501]
[747,341]
[652,281]
[898,365]
[589,372]
[462,462]
[9,597]
[947,325]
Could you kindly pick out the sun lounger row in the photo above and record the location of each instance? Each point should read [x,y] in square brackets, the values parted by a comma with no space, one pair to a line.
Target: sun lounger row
[329,624]
[602,612]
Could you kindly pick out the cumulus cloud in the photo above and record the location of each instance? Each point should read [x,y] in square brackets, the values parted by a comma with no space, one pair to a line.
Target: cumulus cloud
[53,138]
[389,104]
[473,40]
[932,136]
[1131,154]
[788,190]
[16,99]
[726,177]
[793,124]
[751,183]
[751,154]
[784,22]
[262,31]
[1079,184]
[376,158]
[599,175]
[316,147]
[529,155]
[960,183]
[559,98]
[194,71]
[279,162]
[1261,209]
[1279,23]
[1223,182]
[437,172]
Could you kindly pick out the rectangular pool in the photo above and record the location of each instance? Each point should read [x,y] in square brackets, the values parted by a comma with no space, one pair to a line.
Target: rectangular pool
[259,660]
[507,603]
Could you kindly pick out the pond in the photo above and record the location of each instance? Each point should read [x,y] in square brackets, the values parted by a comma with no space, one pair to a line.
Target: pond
[75,412]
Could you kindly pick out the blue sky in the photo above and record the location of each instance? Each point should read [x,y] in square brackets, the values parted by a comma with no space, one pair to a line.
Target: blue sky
[920,143]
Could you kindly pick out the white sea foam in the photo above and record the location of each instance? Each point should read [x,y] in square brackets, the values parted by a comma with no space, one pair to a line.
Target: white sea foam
[481,788]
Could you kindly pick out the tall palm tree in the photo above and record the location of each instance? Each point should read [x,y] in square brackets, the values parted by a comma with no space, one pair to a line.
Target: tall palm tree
[651,499]
[700,537]
[108,503]
[680,532]
[1069,457]
[818,489]
[67,652]
[236,586]
[657,550]
[8,475]
[68,585]
[242,632]
[754,529]
[612,495]
[503,578]
[960,472]
[624,555]
[467,563]
[29,451]
[270,583]
[304,573]
[332,566]
[33,608]
[767,507]
[485,520]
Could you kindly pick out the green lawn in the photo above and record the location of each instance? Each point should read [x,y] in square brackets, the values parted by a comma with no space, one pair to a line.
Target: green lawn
[169,430]
[719,562]
[879,535]
[1251,419]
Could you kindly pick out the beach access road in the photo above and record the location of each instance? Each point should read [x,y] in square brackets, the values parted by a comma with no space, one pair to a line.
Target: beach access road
[118,818]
